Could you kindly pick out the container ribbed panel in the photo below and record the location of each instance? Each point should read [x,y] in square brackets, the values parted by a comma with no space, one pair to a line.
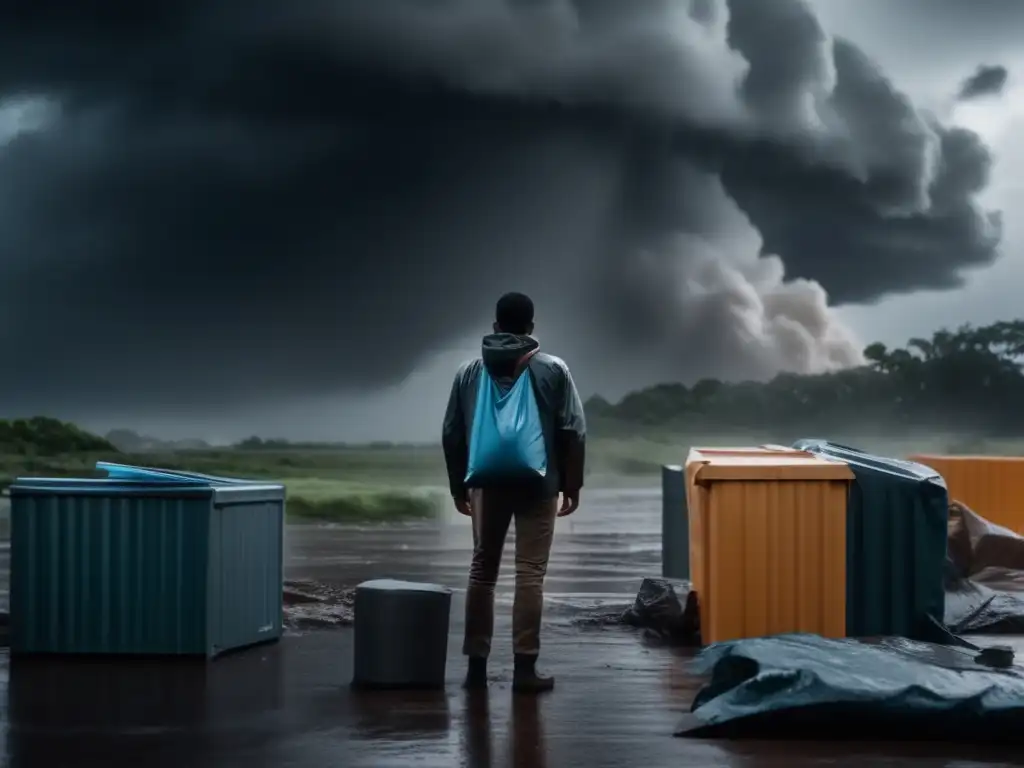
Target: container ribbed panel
[94,574]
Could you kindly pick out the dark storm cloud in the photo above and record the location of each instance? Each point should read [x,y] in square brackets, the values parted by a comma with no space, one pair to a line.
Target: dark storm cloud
[987,80]
[903,215]
[266,199]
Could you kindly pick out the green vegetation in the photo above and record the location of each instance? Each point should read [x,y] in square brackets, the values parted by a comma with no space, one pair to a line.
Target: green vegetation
[960,391]
[324,484]
[339,501]
[42,436]
[967,382]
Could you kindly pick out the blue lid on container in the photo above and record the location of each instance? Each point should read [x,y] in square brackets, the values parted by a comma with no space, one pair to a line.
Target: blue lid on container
[858,458]
[127,479]
[128,472]
[105,485]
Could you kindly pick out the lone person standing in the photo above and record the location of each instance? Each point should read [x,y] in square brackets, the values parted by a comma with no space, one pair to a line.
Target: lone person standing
[514,438]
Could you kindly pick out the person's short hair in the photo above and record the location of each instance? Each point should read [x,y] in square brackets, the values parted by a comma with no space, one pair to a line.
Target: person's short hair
[514,313]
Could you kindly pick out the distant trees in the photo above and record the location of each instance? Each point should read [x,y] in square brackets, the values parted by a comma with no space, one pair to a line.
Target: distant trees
[967,379]
[130,441]
[255,443]
[126,440]
[43,436]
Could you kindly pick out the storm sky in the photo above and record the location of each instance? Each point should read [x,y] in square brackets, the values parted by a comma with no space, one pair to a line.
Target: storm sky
[987,80]
[222,218]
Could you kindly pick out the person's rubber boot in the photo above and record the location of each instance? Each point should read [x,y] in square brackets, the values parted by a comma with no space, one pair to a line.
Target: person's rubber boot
[525,678]
[476,675]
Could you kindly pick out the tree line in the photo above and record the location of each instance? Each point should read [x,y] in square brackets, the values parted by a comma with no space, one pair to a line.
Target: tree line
[256,443]
[44,436]
[969,380]
[966,380]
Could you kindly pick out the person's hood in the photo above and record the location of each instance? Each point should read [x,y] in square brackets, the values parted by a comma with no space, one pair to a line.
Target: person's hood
[501,351]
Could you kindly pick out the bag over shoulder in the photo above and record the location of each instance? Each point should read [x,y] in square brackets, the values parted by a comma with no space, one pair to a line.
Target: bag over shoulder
[507,437]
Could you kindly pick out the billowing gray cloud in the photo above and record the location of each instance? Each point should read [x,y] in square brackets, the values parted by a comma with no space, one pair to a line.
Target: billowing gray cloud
[270,199]
[987,80]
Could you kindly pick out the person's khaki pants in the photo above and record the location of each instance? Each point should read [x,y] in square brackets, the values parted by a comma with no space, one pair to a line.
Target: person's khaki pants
[493,511]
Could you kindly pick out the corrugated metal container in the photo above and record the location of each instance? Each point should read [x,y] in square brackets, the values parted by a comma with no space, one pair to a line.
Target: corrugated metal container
[768,543]
[118,566]
[896,532]
[992,486]
[128,472]
[694,522]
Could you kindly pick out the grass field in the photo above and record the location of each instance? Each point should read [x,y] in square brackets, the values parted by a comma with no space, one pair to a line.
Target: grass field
[319,499]
[397,482]
[343,485]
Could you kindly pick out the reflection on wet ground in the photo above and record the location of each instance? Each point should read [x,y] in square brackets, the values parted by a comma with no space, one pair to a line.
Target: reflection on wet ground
[617,701]
[599,555]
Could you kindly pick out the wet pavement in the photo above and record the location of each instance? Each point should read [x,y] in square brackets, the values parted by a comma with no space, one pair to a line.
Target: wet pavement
[617,701]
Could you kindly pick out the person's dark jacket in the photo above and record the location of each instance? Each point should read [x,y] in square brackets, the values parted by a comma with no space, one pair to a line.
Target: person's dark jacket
[561,412]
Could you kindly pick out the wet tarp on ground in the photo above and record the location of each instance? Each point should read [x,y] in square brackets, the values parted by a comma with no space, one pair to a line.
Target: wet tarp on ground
[809,687]
[984,576]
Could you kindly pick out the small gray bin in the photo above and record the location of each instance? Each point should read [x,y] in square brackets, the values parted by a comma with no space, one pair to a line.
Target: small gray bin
[401,635]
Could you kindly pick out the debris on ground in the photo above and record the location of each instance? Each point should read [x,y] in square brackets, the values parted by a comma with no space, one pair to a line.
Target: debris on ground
[314,605]
[985,575]
[665,613]
[665,609]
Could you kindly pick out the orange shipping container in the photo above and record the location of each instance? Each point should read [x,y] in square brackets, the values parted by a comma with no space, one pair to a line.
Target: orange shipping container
[700,456]
[768,542]
[992,486]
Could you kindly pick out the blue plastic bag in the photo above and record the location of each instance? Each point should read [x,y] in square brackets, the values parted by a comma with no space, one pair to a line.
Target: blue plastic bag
[507,439]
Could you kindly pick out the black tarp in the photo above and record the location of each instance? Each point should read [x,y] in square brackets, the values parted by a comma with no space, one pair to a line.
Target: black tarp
[984,576]
[809,687]
[896,536]
[984,569]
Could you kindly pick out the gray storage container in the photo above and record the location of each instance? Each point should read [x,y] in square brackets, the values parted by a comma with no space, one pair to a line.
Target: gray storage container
[675,524]
[115,566]
[401,635]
